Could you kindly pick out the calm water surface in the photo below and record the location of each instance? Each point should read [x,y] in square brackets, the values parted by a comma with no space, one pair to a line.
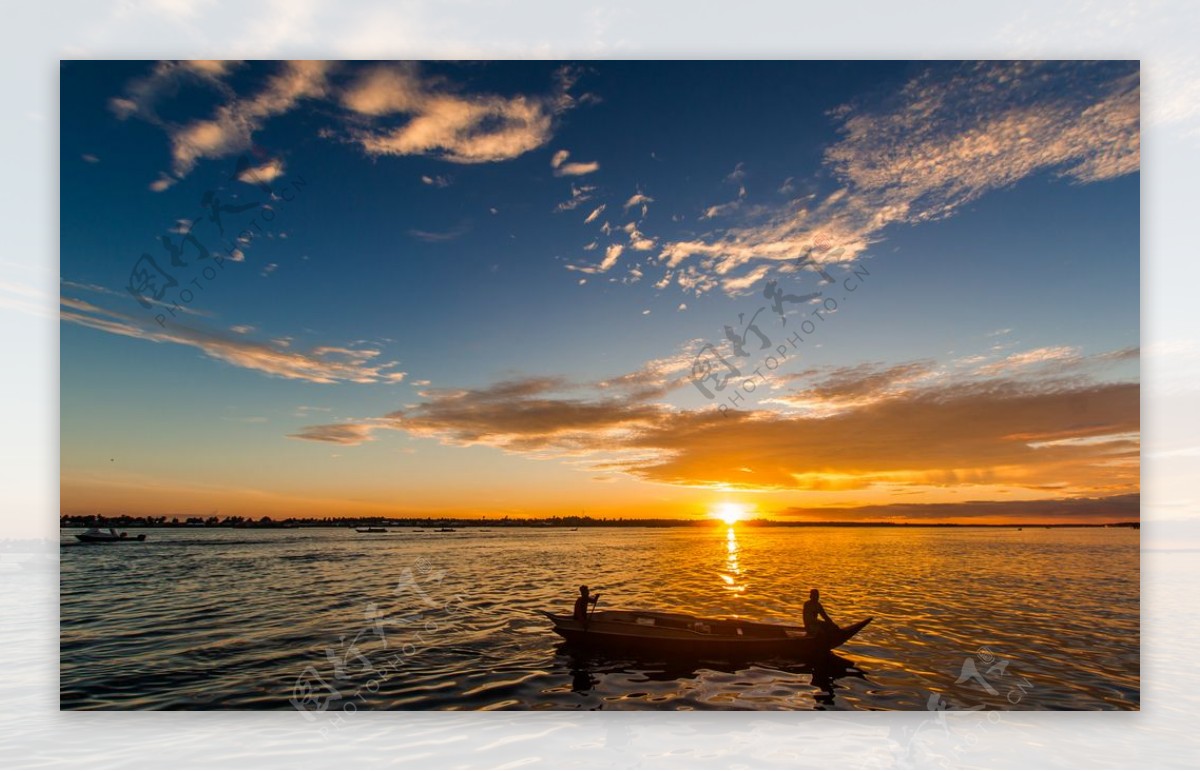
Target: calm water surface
[334,620]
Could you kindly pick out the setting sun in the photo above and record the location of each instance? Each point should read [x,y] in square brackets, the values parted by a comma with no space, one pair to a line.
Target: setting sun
[730,513]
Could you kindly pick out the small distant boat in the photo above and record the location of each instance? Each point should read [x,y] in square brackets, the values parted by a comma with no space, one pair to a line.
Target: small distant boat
[683,636]
[371,529]
[445,530]
[96,535]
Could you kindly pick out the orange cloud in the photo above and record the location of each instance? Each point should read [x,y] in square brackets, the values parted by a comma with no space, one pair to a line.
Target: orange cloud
[866,428]
[958,434]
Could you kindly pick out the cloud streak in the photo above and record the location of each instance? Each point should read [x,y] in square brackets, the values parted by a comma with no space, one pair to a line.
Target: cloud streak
[320,365]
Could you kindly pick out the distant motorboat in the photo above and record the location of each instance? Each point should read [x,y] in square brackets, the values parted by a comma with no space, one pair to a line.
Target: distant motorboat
[371,529]
[96,535]
[445,530]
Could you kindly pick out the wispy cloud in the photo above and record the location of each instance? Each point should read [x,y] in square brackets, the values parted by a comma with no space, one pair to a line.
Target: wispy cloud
[347,434]
[1016,361]
[579,195]
[947,137]
[448,123]
[231,127]
[263,173]
[823,392]
[564,169]
[611,255]
[391,109]
[439,236]
[143,95]
[101,290]
[320,365]
[528,414]
[639,199]
[1056,358]
[637,240]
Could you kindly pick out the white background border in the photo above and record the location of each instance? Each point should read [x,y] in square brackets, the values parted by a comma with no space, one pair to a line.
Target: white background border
[1162,35]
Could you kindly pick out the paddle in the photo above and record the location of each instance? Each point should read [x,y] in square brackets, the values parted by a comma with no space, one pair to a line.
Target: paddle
[595,600]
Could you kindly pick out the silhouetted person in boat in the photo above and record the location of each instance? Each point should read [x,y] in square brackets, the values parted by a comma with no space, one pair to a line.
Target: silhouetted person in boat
[581,604]
[816,621]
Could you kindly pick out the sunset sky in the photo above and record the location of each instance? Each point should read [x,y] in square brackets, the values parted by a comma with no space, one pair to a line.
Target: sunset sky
[473,289]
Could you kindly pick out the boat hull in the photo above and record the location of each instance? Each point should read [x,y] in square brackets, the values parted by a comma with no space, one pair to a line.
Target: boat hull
[678,636]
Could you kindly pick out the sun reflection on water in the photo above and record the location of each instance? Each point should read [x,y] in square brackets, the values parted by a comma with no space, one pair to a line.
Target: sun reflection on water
[733,571]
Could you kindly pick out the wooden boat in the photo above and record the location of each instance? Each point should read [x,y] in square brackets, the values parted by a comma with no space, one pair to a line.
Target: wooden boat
[109,536]
[371,529]
[682,635]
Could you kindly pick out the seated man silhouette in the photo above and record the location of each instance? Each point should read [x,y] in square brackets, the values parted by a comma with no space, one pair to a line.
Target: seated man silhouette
[581,604]
[816,621]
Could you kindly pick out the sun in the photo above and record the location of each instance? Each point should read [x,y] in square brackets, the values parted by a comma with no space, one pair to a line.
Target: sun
[730,513]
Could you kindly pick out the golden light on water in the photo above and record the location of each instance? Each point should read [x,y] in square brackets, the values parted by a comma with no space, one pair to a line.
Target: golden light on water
[733,570]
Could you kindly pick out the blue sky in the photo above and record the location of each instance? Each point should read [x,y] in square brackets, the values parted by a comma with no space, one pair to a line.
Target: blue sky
[503,272]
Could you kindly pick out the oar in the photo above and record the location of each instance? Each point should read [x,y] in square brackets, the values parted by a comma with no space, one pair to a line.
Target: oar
[595,601]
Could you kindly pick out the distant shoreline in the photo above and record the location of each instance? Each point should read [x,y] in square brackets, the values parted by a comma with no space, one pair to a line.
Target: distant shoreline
[193,523]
